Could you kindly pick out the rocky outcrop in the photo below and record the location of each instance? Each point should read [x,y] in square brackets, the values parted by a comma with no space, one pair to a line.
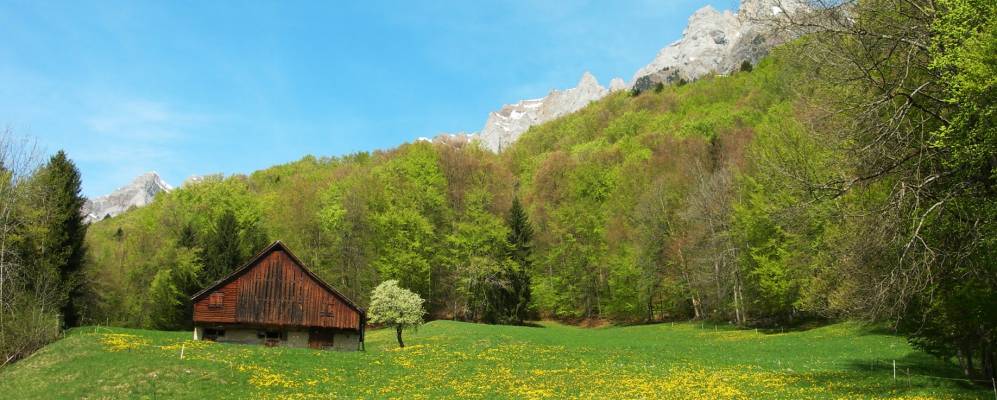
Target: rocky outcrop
[718,42]
[140,192]
[508,123]
[702,49]
[617,84]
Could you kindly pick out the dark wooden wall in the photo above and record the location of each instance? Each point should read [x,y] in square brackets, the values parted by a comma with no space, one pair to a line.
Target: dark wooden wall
[275,291]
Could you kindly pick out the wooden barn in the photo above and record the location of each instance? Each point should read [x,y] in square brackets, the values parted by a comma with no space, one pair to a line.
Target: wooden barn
[275,300]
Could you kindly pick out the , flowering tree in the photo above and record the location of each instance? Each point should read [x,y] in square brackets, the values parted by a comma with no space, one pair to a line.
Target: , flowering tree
[396,306]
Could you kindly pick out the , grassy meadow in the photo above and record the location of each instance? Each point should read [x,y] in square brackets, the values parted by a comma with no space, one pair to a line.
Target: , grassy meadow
[461,360]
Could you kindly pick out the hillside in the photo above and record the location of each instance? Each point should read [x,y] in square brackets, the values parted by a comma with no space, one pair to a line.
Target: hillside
[431,214]
[460,360]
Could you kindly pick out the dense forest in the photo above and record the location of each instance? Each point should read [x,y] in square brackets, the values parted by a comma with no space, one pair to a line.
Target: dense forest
[620,198]
[851,174]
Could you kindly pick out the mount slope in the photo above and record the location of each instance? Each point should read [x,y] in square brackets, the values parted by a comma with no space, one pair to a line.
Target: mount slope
[714,42]
[508,123]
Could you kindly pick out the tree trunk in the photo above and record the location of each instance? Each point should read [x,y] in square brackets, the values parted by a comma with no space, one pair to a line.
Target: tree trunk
[716,278]
[598,292]
[398,334]
[742,309]
[650,307]
[966,359]
[737,306]
[987,359]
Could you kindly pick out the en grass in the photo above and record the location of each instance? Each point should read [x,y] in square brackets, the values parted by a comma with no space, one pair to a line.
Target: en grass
[451,359]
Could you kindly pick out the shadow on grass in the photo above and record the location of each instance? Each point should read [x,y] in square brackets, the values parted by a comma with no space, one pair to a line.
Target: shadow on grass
[879,383]
[913,372]
[916,364]
[870,329]
[862,328]
[801,326]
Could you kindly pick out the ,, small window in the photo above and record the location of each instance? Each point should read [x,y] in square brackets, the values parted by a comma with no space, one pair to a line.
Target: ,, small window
[329,310]
[275,335]
[216,300]
[213,334]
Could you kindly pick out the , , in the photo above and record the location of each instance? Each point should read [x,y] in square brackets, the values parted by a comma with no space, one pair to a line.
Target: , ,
[275,300]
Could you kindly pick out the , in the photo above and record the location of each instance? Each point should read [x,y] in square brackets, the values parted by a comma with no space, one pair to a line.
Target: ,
[275,300]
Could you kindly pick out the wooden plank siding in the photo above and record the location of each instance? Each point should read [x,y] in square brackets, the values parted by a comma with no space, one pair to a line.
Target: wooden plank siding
[226,313]
[275,290]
